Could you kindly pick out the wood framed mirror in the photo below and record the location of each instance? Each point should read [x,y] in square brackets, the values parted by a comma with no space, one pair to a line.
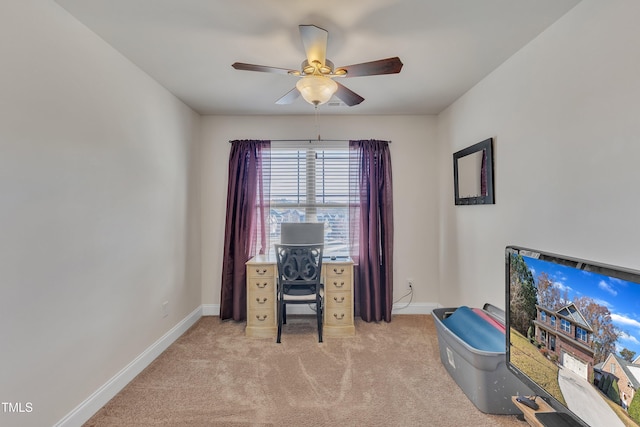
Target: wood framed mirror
[473,174]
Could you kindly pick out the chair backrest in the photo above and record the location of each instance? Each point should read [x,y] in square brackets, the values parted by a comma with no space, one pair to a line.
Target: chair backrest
[299,268]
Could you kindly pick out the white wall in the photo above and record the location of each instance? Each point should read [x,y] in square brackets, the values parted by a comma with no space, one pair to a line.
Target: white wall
[99,214]
[564,115]
[415,186]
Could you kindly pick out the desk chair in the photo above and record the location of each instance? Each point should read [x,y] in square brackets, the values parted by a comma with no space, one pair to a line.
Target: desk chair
[299,281]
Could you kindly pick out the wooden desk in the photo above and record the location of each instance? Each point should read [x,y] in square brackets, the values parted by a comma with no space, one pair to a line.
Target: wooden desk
[261,297]
[530,414]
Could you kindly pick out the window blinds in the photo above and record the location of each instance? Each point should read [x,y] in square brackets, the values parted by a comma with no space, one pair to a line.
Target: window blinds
[310,183]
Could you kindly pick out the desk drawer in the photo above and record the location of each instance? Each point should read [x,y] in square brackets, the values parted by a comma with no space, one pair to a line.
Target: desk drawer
[337,283]
[338,270]
[338,316]
[261,301]
[261,317]
[261,270]
[338,300]
[261,285]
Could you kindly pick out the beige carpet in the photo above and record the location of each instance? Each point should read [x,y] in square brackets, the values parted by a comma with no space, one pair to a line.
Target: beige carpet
[389,374]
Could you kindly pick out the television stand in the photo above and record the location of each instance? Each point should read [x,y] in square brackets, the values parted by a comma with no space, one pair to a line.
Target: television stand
[530,414]
[545,415]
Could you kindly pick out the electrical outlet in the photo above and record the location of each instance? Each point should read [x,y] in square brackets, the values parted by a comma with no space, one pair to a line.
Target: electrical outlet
[165,309]
[410,284]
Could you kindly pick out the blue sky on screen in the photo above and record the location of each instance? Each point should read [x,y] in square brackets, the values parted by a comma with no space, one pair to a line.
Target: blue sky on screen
[622,298]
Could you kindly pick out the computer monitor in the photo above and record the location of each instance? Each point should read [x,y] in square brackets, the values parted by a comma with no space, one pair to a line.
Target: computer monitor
[301,233]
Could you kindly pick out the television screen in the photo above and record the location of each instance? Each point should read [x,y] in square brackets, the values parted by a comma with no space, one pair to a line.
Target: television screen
[574,334]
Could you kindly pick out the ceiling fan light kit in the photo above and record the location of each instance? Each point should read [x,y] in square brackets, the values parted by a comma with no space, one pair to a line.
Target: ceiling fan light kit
[316,90]
[316,75]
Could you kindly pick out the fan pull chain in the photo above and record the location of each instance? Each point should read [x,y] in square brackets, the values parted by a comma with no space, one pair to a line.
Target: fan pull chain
[317,125]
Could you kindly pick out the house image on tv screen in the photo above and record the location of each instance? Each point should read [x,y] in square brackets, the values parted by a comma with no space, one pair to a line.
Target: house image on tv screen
[566,335]
[617,370]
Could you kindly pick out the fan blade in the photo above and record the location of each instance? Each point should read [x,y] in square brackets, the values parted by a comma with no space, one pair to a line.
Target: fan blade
[314,40]
[262,68]
[381,66]
[348,96]
[289,97]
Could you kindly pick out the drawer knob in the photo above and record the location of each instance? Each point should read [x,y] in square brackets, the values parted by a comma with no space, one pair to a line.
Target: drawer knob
[262,317]
[335,270]
[338,301]
[261,271]
[338,285]
[340,317]
[261,285]
[261,301]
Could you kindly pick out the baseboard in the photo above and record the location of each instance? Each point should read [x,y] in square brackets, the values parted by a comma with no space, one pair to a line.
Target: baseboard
[211,309]
[398,308]
[414,308]
[100,397]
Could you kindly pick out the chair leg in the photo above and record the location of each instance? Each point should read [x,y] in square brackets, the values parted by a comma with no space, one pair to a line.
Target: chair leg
[319,313]
[284,313]
[280,310]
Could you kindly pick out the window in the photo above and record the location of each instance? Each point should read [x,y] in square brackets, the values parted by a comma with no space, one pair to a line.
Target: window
[581,334]
[565,325]
[543,316]
[310,183]
[552,342]
[553,320]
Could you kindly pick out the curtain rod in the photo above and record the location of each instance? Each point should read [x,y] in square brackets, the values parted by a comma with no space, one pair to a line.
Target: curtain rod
[307,139]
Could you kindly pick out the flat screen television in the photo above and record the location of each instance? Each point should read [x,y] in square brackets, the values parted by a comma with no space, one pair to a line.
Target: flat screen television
[574,335]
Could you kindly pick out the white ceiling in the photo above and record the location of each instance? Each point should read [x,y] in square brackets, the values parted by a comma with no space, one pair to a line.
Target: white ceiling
[447,46]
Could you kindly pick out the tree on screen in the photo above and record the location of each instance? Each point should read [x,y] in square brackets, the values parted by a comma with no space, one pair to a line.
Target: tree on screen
[605,334]
[523,295]
[549,295]
[634,407]
[627,354]
[614,392]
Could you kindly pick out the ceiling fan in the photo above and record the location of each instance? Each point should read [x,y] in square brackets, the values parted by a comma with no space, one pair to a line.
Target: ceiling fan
[316,84]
